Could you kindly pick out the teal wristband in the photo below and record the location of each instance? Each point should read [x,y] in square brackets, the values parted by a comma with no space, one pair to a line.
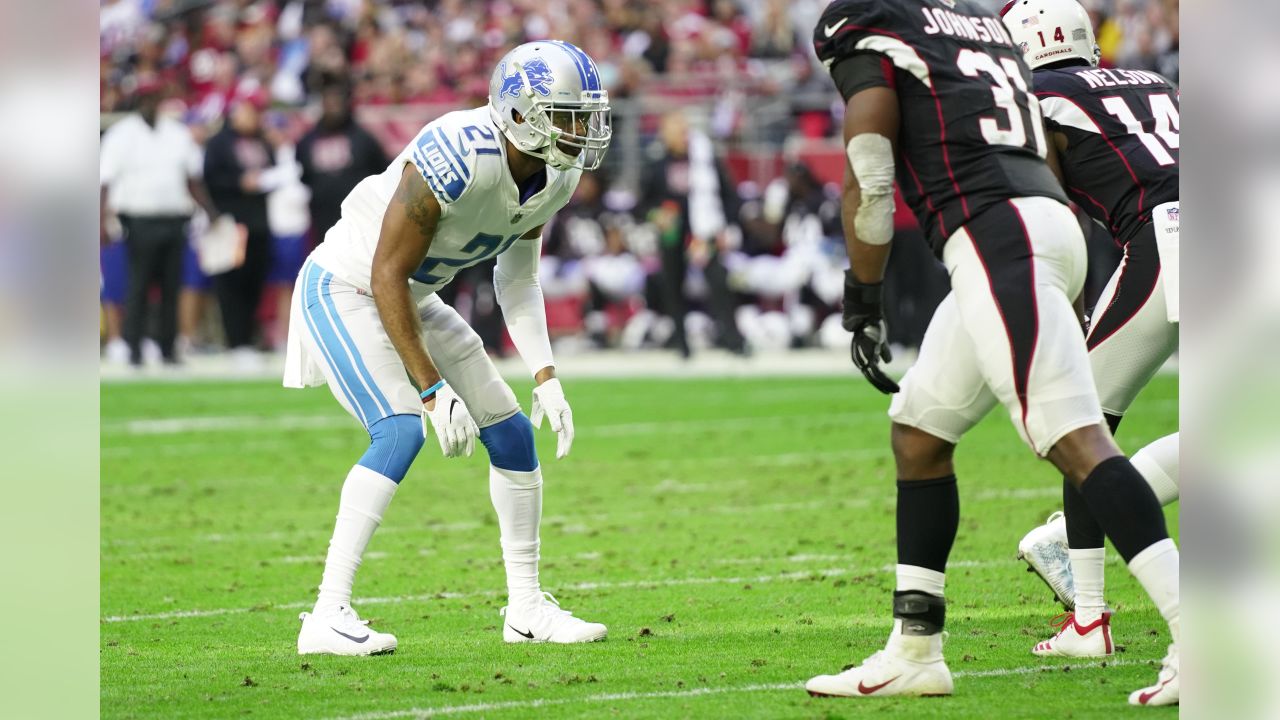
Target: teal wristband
[431,391]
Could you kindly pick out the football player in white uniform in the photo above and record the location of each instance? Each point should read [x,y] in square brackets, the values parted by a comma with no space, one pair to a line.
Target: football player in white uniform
[366,319]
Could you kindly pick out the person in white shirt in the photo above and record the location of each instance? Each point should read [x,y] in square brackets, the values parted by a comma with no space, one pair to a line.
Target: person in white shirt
[367,320]
[150,176]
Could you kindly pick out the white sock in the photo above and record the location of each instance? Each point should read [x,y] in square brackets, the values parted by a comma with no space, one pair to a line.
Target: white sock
[1156,568]
[1158,463]
[1087,567]
[365,497]
[912,577]
[517,498]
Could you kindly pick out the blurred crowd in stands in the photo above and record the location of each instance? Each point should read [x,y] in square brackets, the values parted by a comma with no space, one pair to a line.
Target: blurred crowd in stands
[715,222]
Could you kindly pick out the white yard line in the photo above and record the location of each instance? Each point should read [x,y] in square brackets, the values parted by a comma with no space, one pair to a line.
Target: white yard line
[690,693]
[789,576]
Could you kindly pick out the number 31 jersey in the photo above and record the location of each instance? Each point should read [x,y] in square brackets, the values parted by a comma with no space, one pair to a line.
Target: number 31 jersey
[1121,127]
[462,157]
[971,135]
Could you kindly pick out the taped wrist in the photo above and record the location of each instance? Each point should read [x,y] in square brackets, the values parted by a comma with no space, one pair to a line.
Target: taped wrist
[871,157]
[920,613]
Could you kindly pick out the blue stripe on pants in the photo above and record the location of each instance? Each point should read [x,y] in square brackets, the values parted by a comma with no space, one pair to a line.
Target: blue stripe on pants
[340,361]
[382,406]
[310,301]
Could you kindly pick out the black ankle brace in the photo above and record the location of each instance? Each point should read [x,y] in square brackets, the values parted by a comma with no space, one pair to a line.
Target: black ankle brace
[920,613]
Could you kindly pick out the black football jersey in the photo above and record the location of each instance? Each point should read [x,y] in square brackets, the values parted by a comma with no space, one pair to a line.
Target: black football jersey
[971,134]
[1122,141]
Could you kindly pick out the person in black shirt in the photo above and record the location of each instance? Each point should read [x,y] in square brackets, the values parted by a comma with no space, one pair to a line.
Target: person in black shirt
[336,155]
[237,162]
[937,94]
[1114,141]
[686,193]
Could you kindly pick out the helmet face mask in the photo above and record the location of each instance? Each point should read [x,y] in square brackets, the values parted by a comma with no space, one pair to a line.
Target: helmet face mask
[1050,31]
[546,98]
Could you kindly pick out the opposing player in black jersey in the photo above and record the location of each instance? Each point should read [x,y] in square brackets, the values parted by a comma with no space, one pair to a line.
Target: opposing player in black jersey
[938,95]
[1114,139]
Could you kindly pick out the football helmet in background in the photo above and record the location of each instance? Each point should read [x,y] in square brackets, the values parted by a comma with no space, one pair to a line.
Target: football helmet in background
[1050,31]
[547,98]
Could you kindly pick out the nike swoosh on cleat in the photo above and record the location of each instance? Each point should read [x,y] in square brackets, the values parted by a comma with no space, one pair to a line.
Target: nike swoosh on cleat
[1145,697]
[352,638]
[519,632]
[831,29]
[862,687]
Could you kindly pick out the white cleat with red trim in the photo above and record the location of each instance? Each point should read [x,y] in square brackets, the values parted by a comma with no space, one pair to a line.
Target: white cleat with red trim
[1075,640]
[910,665]
[1168,684]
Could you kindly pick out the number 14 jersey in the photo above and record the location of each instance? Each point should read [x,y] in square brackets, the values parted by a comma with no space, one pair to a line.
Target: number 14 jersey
[971,134]
[1121,127]
[462,156]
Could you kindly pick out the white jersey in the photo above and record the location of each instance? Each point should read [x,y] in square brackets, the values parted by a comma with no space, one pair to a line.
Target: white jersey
[463,158]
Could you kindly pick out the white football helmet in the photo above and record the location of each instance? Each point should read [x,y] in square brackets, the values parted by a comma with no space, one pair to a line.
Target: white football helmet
[547,98]
[1050,31]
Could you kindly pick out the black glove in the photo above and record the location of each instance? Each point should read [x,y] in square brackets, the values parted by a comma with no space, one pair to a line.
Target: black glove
[864,317]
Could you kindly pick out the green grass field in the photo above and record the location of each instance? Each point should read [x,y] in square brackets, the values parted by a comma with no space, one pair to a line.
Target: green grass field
[736,536]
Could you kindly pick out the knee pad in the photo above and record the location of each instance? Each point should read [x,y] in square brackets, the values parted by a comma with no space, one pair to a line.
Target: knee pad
[510,444]
[396,441]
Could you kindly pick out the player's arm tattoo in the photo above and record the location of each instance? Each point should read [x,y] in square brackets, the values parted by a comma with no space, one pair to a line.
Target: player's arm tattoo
[420,205]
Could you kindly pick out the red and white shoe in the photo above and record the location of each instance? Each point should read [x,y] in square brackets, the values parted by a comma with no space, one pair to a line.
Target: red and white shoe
[914,667]
[1076,640]
[1168,684]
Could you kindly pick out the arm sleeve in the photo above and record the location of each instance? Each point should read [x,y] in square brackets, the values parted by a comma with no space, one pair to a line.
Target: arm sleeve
[861,72]
[515,283]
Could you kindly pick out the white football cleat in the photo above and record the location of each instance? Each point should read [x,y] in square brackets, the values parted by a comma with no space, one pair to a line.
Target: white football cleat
[339,631]
[910,665]
[884,674]
[1044,549]
[1167,687]
[1076,640]
[544,620]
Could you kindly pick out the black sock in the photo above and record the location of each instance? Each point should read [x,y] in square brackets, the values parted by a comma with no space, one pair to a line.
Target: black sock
[1083,530]
[928,516]
[1125,506]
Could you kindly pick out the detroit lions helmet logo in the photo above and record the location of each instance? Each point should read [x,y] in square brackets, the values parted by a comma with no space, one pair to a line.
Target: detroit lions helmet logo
[539,79]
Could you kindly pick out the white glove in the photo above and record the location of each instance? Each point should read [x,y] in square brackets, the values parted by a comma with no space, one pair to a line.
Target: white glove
[548,400]
[452,423]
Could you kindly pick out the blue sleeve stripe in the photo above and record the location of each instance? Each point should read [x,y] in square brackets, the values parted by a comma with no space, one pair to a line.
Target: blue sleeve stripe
[452,151]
